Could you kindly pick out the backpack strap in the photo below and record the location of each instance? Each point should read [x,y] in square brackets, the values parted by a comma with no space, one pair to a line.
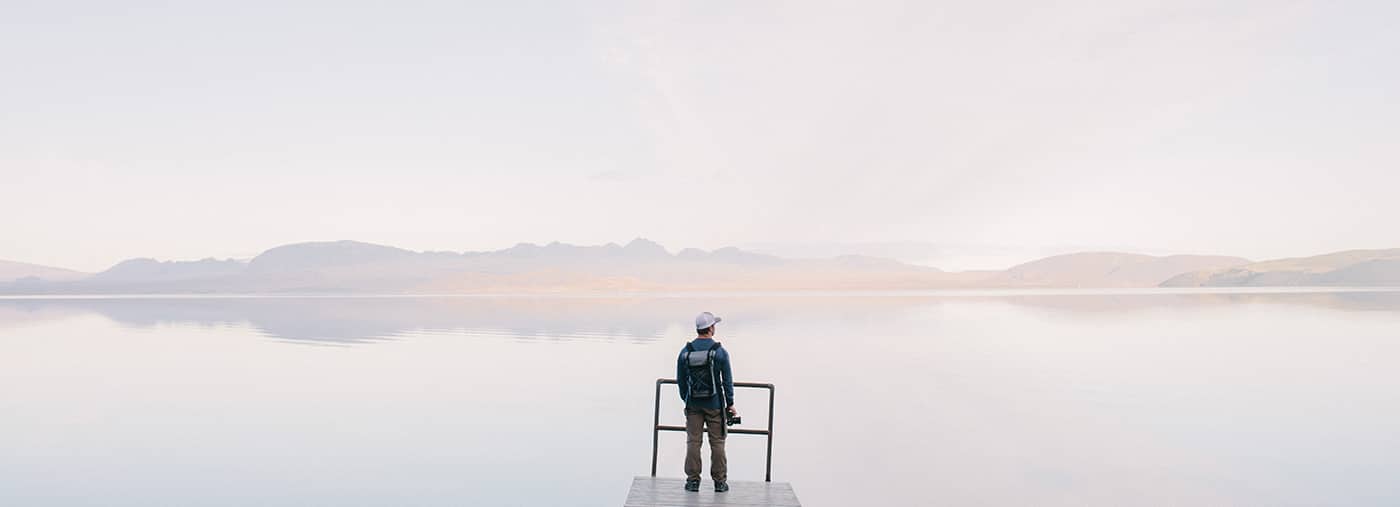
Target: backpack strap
[719,382]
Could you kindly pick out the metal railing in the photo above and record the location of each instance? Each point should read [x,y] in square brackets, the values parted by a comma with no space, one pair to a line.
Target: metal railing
[657,427]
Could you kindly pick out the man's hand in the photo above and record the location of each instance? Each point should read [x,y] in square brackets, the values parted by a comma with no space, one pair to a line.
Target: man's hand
[732,412]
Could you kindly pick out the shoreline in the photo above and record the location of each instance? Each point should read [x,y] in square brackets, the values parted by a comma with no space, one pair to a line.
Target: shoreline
[989,292]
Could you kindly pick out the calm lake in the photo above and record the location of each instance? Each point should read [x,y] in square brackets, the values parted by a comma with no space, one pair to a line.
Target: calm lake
[1012,398]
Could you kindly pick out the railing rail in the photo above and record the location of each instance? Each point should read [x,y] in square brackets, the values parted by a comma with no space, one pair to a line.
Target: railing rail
[657,427]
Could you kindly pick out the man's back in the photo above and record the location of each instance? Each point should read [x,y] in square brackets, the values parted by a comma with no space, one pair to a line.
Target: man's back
[721,368]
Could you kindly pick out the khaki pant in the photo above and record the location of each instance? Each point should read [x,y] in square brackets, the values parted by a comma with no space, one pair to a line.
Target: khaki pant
[711,420]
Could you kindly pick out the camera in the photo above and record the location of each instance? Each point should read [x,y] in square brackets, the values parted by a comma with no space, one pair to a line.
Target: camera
[733,419]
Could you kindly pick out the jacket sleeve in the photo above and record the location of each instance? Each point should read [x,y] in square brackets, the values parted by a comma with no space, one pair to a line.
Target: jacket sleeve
[728,379]
[681,381]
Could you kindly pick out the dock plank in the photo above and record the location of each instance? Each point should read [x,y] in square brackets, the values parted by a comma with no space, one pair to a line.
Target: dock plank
[658,492]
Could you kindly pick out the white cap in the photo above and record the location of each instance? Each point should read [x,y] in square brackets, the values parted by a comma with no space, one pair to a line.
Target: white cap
[705,320]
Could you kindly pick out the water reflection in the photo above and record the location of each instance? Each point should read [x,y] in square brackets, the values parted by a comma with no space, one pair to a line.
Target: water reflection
[961,399]
[365,320]
[362,320]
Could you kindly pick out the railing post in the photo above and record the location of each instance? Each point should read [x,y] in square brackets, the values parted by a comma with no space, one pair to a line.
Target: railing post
[768,467]
[656,427]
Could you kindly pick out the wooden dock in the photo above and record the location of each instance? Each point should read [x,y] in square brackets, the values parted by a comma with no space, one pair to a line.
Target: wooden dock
[657,492]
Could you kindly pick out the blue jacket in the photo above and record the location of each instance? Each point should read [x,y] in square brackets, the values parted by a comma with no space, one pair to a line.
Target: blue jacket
[722,366]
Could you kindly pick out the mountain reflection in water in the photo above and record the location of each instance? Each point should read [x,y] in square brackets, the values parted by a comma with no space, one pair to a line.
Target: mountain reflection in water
[642,319]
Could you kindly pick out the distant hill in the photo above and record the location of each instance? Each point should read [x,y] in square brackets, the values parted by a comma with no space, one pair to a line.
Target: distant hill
[11,271]
[643,265]
[1107,269]
[151,270]
[321,255]
[1347,268]
[357,267]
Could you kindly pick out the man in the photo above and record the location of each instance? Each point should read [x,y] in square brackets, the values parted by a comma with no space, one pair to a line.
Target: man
[707,387]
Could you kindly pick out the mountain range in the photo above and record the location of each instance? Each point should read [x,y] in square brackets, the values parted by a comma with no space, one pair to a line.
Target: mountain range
[1108,269]
[642,265]
[1351,268]
[14,271]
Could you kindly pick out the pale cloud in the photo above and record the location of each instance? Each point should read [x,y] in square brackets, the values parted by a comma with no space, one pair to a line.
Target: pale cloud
[1249,128]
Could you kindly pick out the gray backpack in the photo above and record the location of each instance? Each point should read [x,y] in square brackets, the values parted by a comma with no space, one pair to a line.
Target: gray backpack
[701,379]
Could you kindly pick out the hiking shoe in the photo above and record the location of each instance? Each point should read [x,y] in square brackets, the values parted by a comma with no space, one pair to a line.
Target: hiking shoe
[692,485]
[721,486]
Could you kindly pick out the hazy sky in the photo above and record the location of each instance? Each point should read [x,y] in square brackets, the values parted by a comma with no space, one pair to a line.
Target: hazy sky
[198,129]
